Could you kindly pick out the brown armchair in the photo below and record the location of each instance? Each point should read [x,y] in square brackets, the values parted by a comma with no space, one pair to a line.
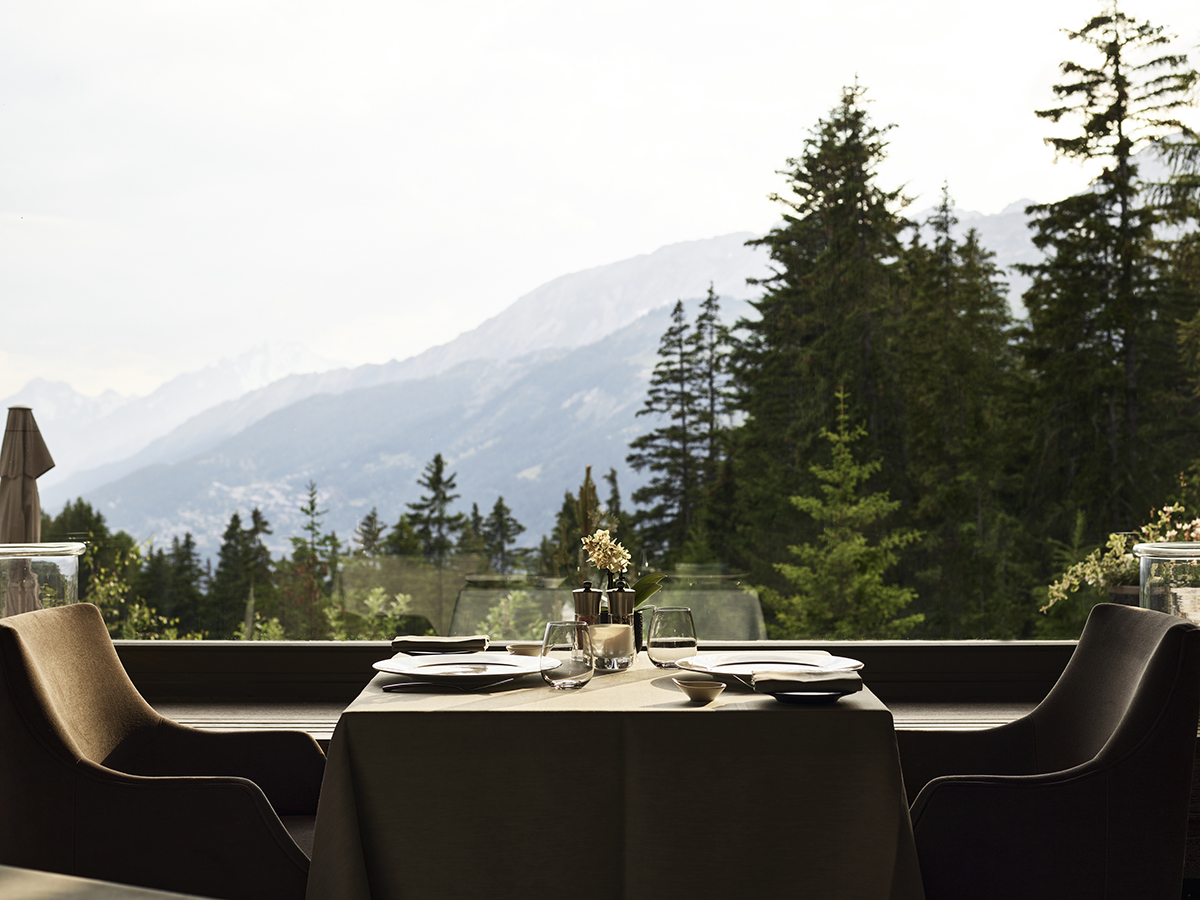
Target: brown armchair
[94,782]
[1085,797]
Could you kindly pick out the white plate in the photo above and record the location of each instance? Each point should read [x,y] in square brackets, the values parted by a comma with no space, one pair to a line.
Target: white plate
[461,668]
[740,666]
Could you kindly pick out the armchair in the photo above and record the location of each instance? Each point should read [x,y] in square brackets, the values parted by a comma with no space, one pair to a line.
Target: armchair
[1087,796]
[94,782]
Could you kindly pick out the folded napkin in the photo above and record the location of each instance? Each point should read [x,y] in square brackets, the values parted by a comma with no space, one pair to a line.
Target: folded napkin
[793,682]
[416,643]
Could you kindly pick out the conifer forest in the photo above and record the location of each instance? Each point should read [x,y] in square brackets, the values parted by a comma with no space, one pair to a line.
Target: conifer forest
[882,450]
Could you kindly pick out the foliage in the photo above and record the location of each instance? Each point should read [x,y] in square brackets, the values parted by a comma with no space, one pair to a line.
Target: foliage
[516,617]
[403,539]
[243,568]
[688,394]
[1114,563]
[499,531]
[435,526]
[380,617]
[368,534]
[305,581]
[579,516]
[839,581]
[962,380]
[827,318]
[1111,420]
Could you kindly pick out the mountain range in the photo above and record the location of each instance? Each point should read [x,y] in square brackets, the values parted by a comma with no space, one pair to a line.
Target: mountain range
[518,406]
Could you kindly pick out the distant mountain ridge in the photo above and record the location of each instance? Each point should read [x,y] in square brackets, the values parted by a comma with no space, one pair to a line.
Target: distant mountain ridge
[519,400]
[567,312]
[83,431]
[519,428]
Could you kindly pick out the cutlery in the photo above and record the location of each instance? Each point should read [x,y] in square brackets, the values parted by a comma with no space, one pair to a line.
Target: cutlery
[466,689]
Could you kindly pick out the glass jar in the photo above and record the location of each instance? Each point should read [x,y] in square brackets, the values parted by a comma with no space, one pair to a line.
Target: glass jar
[33,576]
[1170,578]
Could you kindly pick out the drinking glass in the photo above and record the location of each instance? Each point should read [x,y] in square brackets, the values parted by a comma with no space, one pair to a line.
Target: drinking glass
[570,644]
[672,636]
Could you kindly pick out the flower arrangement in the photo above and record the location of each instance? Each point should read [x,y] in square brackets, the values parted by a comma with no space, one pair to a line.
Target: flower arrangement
[605,553]
[1115,563]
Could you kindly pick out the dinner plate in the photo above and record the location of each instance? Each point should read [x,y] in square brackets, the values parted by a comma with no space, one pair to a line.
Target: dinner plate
[464,668]
[806,698]
[740,666]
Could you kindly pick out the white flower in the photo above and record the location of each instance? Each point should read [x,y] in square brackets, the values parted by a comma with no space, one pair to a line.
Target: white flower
[605,553]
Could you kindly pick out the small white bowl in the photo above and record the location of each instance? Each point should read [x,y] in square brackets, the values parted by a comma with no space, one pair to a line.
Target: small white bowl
[700,691]
[525,648]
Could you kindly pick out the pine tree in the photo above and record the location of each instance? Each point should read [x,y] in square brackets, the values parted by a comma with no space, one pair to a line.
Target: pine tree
[434,524]
[828,317]
[839,580]
[472,538]
[368,535]
[231,583]
[1101,317]
[711,345]
[499,531]
[673,452]
[710,535]
[307,579]
[185,595]
[962,378]
[402,540]
[243,567]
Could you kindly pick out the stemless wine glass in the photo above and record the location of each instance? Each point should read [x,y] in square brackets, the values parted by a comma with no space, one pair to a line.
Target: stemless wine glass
[569,644]
[672,636]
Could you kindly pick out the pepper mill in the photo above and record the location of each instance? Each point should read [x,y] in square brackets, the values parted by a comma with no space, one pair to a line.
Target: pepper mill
[587,604]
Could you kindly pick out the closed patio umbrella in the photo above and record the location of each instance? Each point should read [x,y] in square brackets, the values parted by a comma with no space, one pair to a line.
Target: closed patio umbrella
[23,458]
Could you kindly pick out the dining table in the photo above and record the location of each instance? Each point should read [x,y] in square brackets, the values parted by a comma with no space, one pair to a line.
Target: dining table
[621,789]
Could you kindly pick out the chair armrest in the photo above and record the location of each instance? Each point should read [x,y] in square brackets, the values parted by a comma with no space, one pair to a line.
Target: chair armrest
[925,755]
[217,837]
[1038,837]
[287,765]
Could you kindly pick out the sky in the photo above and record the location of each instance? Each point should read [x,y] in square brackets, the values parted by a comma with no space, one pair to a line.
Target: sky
[182,181]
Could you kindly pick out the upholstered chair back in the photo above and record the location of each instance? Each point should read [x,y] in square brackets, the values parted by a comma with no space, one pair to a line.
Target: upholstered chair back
[67,683]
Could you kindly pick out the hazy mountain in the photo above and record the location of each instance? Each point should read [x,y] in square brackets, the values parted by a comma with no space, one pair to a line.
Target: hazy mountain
[569,311]
[522,428]
[83,432]
[515,404]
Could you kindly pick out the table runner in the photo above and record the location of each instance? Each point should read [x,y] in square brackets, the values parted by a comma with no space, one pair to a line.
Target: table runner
[447,795]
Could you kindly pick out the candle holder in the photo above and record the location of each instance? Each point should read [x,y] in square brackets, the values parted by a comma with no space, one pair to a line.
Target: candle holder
[612,646]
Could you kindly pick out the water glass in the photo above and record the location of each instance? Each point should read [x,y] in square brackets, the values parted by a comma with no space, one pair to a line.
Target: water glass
[569,644]
[672,636]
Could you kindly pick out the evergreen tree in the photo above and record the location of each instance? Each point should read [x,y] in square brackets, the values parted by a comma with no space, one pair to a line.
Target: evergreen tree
[711,346]
[80,521]
[434,524]
[368,535]
[710,535]
[403,539]
[673,452]
[307,579]
[243,567]
[499,532]
[1106,383]
[231,583]
[828,317]
[185,593]
[473,537]
[963,378]
[839,580]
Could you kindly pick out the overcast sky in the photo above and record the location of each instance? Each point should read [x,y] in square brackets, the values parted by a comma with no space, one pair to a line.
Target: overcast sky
[181,181]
